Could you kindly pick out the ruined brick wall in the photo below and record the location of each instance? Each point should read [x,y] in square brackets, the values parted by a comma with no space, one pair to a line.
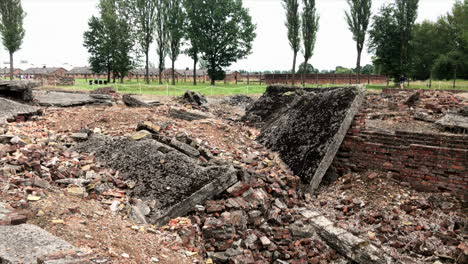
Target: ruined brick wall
[429,162]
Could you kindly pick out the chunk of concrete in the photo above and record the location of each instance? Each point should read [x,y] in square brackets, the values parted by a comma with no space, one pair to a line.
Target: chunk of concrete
[189,115]
[306,126]
[347,244]
[455,122]
[26,243]
[68,99]
[10,110]
[21,90]
[132,100]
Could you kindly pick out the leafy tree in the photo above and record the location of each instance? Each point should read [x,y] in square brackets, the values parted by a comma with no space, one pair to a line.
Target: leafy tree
[109,40]
[293,24]
[162,34]
[306,70]
[358,21]
[175,28]
[384,41]
[406,14]
[192,33]
[225,33]
[11,27]
[144,14]
[368,69]
[426,48]
[441,45]
[310,26]
[343,70]
[390,37]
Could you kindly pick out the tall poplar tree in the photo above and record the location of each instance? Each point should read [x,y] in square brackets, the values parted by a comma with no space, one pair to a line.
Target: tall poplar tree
[310,25]
[358,20]
[293,24]
[144,14]
[176,31]
[11,27]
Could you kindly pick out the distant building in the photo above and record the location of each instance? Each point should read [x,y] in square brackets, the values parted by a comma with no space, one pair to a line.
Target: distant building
[5,72]
[140,73]
[57,71]
[185,75]
[81,73]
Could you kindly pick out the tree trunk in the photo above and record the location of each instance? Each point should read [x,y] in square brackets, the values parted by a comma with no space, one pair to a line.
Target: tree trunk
[212,77]
[303,71]
[160,69]
[173,71]
[147,66]
[454,77]
[195,58]
[294,69]
[11,65]
[108,73]
[358,67]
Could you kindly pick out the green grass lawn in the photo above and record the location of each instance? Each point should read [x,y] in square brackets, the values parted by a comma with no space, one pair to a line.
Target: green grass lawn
[221,88]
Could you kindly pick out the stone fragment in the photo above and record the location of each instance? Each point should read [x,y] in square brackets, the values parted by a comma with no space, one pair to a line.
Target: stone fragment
[41,183]
[192,97]
[145,125]
[265,241]
[142,134]
[131,100]
[188,115]
[73,181]
[79,136]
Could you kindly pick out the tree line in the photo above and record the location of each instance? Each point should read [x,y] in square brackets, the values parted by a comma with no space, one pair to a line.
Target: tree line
[217,32]
[400,47]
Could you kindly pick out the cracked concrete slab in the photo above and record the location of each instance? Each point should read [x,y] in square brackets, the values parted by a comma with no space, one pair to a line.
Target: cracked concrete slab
[25,244]
[68,99]
[306,126]
[9,110]
[170,177]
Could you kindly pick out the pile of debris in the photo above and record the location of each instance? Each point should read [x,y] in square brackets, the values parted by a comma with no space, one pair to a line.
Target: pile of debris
[418,111]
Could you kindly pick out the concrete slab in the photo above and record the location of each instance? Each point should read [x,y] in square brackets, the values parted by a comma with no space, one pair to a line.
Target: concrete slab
[67,99]
[306,126]
[169,175]
[24,244]
[9,110]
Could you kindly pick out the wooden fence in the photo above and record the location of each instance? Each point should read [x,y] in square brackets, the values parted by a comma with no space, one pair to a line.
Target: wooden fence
[324,79]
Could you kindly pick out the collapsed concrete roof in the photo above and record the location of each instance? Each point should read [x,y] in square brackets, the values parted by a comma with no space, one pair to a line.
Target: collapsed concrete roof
[168,174]
[10,110]
[306,126]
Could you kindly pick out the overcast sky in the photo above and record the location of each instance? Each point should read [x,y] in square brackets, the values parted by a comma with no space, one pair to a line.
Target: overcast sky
[54,34]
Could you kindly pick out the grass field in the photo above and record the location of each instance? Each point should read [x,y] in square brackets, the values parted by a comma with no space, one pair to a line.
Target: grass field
[220,88]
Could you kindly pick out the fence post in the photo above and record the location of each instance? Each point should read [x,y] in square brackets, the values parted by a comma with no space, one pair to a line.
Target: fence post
[248,78]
